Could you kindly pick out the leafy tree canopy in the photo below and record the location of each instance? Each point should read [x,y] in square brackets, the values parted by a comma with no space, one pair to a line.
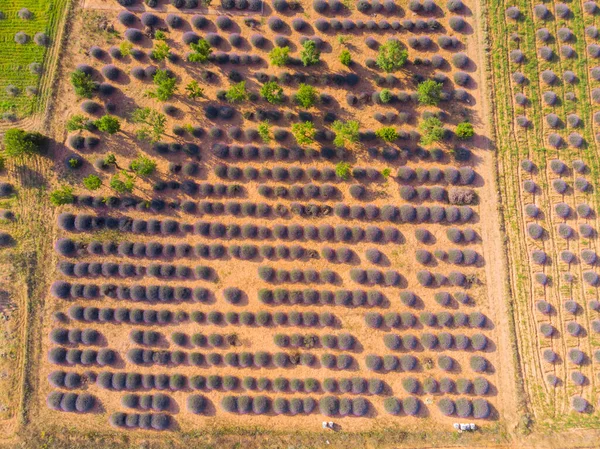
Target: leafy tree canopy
[306,96]
[264,131]
[201,51]
[465,130]
[342,170]
[92,182]
[309,55]
[345,132]
[166,85]
[272,92]
[122,182]
[387,133]
[108,124]
[62,195]
[304,132]
[279,56]
[194,90]
[83,84]
[429,92]
[345,57]
[392,56]
[432,129]
[237,93]
[143,166]
[18,142]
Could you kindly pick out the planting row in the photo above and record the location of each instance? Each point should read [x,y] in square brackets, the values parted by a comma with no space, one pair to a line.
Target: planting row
[88,337]
[442,341]
[537,232]
[450,175]
[476,320]
[87,357]
[373,277]
[263,153]
[455,195]
[464,408]
[374,234]
[587,256]
[149,357]
[455,278]
[391,363]
[328,405]
[127,270]
[454,256]
[151,293]
[147,421]
[71,402]
[123,381]
[309,297]
[276,23]
[163,317]
[69,248]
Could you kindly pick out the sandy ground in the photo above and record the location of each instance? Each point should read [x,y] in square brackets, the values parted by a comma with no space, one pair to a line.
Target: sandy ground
[488,297]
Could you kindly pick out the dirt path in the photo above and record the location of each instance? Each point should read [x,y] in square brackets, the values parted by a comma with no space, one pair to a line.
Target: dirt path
[491,229]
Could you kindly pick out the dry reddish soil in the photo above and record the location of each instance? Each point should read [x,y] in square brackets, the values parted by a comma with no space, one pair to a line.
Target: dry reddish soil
[488,296]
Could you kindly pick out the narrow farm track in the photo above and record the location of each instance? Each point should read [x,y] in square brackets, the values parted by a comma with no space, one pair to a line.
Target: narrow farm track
[496,273]
[509,187]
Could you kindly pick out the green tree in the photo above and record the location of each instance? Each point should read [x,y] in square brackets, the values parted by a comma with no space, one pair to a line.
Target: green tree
[429,92]
[343,39]
[108,124]
[279,56]
[306,96]
[385,96]
[125,48]
[77,122]
[166,85]
[92,182]
[432,130]
[464,130]
[386,172]
[160,35]
[264,131]
[304,132]
[83,84]
[342,170]
[237,93]
[272,92]
[387,133]
[122,182]
[111,159]
[143,166]
[154,124]
[18,142]
[309,55]
[392,56]
[194,90]
[345,132]
[345,57]
[160,52]
[201,51]
[62,195]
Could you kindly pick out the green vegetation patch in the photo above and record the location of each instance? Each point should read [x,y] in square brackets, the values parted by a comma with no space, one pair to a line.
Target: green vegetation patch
[16,59]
